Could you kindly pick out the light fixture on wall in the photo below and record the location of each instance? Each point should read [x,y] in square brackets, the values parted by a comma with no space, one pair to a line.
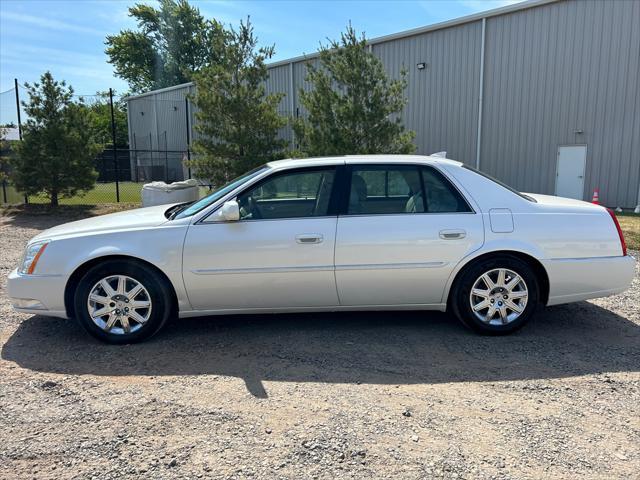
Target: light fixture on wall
[421,65]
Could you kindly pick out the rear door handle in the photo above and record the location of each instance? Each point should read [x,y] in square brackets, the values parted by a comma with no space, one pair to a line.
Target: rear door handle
[309,238]
[452,234]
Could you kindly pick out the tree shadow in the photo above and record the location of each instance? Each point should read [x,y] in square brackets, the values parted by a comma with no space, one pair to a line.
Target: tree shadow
[354,347]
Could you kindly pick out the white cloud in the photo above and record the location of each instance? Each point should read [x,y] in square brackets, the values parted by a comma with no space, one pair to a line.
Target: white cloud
[70,65]
[19,51]
[48,23]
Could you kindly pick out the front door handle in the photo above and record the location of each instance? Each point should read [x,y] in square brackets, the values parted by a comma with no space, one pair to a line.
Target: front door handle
[309,238]
[452,234]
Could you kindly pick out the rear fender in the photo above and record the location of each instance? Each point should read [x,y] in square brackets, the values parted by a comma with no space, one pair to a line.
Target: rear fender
[492,247]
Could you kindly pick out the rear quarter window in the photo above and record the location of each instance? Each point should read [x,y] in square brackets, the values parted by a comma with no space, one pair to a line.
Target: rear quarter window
[440,195]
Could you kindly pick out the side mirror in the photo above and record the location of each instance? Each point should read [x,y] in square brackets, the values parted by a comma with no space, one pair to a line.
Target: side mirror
[230,211]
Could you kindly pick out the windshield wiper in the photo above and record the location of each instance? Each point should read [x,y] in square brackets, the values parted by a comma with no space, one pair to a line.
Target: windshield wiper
[176,209]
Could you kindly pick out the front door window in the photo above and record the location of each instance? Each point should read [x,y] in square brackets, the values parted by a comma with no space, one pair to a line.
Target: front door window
[288,195]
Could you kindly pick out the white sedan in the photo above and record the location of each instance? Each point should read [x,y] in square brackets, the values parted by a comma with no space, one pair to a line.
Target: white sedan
[327,234]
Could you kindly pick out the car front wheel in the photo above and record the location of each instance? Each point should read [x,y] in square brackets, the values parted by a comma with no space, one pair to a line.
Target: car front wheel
[122,302]
[496,296]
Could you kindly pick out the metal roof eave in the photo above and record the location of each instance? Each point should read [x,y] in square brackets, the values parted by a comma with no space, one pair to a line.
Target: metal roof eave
[516,7]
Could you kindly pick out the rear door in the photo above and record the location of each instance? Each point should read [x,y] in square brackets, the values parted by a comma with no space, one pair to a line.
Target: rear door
[399,236]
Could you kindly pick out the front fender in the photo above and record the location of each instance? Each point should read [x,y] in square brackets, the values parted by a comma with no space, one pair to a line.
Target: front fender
[159,246]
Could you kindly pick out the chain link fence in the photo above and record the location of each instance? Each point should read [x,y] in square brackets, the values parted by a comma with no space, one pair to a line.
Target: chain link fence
[122,171]
[121,176]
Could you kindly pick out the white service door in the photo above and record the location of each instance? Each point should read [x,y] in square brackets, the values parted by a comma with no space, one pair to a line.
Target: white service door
[260,264]
[570,171]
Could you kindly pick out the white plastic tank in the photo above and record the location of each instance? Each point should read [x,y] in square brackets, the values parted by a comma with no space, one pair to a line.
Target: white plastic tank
[160,193]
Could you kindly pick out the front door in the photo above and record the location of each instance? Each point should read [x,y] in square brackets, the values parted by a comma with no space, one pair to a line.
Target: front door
[570,171]
[405,229]
[278,255]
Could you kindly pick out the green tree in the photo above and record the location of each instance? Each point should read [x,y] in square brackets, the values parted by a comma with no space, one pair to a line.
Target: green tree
[56,155]
[99,115]
[237,120]
[353,107]
[4,154]
[171,43]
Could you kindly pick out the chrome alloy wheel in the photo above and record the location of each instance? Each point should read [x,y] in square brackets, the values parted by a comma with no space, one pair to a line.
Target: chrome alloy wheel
[499,296]
[119,304]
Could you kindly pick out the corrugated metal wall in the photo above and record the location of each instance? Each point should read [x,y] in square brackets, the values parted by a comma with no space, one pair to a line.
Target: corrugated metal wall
[442,103]
[559,69]
[550,71]
[280,82]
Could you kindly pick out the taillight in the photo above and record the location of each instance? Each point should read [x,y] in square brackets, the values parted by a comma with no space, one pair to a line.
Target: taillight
[623,244]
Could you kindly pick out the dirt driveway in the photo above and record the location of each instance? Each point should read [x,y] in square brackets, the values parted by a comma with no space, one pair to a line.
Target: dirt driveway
[384,395]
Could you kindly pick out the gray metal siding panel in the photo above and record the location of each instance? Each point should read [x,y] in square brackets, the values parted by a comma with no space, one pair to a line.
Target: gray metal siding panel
[152,116]
[300,82]
[556,69]
[279,82]
[171,119]
[442,106]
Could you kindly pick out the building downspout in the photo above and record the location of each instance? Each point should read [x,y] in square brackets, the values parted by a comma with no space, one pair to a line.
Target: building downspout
[133,159]
[480,93]
[292,104]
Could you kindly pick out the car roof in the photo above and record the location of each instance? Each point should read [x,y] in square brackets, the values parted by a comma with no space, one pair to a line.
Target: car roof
[355,159]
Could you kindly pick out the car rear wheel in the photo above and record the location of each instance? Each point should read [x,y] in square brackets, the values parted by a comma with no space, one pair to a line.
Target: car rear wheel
[122,302]
[496,296]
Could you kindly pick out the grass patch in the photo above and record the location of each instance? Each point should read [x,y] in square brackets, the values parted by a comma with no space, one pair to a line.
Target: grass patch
[100,194]
[130,192]
[630,224]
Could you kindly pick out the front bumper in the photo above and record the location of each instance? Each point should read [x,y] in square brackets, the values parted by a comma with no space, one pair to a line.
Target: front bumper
[37,294]
[575,279]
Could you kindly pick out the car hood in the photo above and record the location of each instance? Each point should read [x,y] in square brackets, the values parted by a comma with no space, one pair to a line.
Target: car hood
[130,219]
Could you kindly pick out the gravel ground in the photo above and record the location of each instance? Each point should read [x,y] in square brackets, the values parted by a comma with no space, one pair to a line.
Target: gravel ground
[365,395]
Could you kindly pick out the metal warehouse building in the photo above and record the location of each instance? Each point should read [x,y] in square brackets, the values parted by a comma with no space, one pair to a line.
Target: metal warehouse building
[544,95]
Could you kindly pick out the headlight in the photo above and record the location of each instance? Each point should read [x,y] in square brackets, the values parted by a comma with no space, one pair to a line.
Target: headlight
[31,256]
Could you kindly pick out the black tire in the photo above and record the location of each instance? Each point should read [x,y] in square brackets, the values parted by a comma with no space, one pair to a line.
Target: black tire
[159,292]
[460,300]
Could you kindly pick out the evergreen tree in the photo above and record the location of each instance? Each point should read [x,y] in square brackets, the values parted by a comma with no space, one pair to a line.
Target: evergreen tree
[237,121]
[4,154]
[56,155]
[353,107]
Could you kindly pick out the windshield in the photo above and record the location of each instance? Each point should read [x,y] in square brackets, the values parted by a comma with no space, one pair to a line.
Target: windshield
[504,185]
[192,208]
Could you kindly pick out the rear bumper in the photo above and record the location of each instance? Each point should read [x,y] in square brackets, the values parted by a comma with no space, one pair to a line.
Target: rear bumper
[575,279]
[37,294]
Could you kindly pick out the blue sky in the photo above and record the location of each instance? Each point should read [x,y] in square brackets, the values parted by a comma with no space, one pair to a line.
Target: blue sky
[67,37]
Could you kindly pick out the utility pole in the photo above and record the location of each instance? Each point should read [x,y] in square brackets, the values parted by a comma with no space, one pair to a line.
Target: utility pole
[113,138]
[15,83]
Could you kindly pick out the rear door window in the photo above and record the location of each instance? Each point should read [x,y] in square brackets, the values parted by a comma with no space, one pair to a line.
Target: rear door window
[385,189]
[402,189]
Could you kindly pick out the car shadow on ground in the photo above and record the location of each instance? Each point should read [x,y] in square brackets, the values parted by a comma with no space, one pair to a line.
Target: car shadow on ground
[362,347]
